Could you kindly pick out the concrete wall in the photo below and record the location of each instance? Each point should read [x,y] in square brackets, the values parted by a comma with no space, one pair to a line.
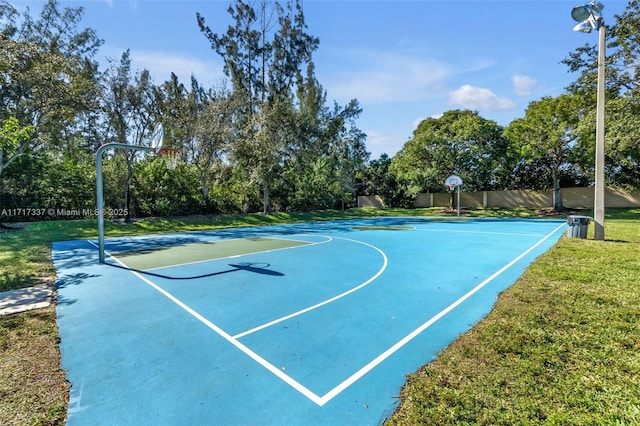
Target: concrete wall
[520,198]
[613,197]
[573,198]
[371,201]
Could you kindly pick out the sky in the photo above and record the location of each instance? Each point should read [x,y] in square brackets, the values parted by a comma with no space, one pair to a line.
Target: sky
[404,61]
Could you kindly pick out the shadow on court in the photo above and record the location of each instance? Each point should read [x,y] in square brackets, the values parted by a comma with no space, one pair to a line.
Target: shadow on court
[256,268]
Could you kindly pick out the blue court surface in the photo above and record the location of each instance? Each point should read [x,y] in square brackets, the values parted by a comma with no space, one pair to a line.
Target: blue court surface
[306,324]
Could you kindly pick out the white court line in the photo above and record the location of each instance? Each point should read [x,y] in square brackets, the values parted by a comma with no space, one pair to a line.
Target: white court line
[251,354]
[325,302]
[393,349]
[322,400]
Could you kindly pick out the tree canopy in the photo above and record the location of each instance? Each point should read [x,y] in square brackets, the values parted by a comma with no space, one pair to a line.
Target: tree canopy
[459,142]
[546,135]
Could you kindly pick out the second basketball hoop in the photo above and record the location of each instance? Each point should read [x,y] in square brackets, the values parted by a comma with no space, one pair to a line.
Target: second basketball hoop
[454,182]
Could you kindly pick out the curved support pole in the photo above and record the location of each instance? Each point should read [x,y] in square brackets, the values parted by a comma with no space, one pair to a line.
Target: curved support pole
[99,188]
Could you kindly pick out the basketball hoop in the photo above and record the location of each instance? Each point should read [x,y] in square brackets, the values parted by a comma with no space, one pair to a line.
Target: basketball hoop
[454,182]
[170,157]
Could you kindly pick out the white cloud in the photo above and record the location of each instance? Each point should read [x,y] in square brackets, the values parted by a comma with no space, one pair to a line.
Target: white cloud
[133,4]
[161,65]
[419,120]
[478,64]
[387,77]
[523,85]
[477,98]
[378,143]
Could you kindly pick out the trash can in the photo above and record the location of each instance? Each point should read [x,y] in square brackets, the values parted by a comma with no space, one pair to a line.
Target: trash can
[578,226]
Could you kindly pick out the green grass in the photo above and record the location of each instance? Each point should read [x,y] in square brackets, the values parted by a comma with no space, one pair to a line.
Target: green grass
[562,345]
[33,390]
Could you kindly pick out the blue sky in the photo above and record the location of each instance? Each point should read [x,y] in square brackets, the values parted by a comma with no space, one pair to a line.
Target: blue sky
[403,60]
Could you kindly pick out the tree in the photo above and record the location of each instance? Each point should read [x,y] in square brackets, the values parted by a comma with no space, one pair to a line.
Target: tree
[546,134]
[130,107]
[13,138]
[460,142]
[285,119]
[348,150]
[376,179]
[182,111]
[622,97]
[163,192]
[216,128]
[48,79]
[244,48]
[247,52]
[292,49]
[622,141]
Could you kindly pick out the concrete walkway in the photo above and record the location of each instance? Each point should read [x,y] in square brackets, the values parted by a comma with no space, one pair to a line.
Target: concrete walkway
[24,299]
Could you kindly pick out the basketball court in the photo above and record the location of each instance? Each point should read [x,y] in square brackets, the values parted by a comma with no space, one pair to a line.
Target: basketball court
[312,324]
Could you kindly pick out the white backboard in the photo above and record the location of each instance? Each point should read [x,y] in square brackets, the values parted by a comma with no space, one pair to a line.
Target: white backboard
[453,181]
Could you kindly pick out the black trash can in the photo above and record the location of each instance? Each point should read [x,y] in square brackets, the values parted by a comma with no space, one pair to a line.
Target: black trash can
[578,226]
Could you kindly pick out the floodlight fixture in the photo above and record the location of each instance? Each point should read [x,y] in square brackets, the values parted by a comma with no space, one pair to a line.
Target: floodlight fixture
[586,26]
[596,7]
[588,14]
[580,13]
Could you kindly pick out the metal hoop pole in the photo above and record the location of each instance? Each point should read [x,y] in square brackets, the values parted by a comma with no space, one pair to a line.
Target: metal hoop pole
[99,188]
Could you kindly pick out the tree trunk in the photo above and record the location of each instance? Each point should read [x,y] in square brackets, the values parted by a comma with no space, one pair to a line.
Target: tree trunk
[265,194]
[557,196]
[205,192]
[127,194]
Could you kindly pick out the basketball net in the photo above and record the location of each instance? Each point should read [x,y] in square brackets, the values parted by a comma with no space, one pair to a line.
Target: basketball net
[170,157]
[452,187]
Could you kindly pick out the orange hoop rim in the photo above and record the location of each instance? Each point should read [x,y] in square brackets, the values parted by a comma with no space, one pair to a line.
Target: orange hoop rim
[170,157]
[168,152]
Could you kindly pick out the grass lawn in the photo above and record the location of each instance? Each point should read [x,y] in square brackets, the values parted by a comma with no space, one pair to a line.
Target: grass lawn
[562,345]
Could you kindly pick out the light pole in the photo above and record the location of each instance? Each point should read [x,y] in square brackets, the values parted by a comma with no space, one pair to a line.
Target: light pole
[589,18]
